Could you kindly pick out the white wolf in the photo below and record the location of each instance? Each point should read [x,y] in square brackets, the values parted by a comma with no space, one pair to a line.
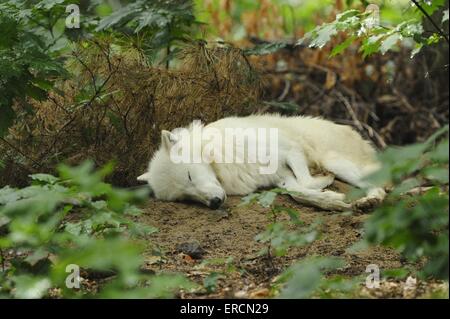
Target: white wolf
[303,143]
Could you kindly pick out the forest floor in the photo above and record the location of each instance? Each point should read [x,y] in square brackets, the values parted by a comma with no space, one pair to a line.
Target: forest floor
[230,233]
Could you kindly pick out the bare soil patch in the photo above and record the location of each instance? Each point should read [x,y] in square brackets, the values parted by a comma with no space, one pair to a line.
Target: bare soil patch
[230,232]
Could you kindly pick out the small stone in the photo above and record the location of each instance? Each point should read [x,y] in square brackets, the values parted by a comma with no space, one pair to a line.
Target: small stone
[240,294]
[260,293]
[192,249]
[410,283]
[165,220]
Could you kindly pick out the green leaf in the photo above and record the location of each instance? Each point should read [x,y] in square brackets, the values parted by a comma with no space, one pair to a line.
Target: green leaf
[250,198]
[119,17]
[8,194]
[293,214]
[48,4]
[138,229]
[28,287]
[323,36]
[347,14]
[35,92]
[445,16]
[389,42]
[437,134]
[395,273]
[405,186]
[6,119]
[43,84]
[440,154]
[342,46]
[266,198]
[161,286]
[437,174]
[290,107]
[265,48]
[36,256]
[305,276]
[210,282]
[45,178]
[431,6]
[370,45]
[416,50]
[152,18]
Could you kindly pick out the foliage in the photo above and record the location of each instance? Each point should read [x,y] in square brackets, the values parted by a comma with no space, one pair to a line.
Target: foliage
[266,48]
[277,236]
[210,282]
[153,25]
[74,219]
[226,266]
[37,40]
[305,279]
[266,19]
[415,224]
[26,66]
[375,37]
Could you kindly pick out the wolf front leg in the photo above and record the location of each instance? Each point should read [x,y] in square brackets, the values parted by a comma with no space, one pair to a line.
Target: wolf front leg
[327,200]
[298,164]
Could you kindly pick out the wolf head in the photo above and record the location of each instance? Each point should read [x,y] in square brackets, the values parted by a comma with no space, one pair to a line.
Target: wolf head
[174,181]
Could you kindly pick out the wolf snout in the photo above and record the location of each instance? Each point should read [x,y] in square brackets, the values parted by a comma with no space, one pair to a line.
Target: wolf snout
[215,202]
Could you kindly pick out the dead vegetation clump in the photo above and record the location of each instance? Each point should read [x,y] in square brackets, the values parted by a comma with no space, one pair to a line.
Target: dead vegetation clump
[115,106]
[390,99]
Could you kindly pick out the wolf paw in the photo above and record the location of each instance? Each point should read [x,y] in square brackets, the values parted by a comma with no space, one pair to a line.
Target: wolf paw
[334,196]
[320,182]
[334,201]
[366,204]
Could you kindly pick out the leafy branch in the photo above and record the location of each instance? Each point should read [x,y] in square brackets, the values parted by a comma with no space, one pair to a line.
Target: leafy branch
[438,29]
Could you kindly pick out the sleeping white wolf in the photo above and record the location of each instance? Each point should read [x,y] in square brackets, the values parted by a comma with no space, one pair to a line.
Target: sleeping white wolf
[207,173]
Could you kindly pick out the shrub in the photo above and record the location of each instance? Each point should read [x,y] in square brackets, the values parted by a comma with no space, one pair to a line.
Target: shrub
[414,217]
[75,219]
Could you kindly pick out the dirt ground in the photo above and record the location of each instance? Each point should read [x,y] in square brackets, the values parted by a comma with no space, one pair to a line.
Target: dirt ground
[230,232]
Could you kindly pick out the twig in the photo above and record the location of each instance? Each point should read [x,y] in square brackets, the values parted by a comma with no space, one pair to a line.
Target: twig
[58,105]
[2,256]
[439,30]
[360,125]
[98,90]
[417,190]
[19,151]
[370,130]
[286,89]
[404,100]
[93,79]
[349,110]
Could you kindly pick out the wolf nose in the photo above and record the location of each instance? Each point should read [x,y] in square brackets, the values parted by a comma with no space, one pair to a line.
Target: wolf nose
[215,202]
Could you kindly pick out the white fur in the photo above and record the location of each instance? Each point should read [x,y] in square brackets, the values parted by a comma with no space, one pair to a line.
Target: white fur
[304,143]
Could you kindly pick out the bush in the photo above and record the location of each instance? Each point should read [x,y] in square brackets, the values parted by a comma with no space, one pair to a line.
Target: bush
[374,37]
[414,217]
[27,68]
[75,220]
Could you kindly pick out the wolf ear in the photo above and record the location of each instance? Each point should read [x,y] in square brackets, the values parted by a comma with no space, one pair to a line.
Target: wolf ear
[144,177]
[168,139]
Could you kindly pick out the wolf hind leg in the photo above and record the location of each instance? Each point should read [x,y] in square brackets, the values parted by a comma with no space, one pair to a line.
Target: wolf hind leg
[354,174]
